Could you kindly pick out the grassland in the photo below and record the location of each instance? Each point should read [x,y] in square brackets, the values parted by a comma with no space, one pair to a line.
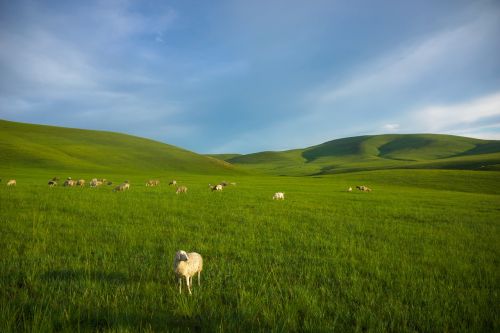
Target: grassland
[28,146]
[419,253]
[375,152]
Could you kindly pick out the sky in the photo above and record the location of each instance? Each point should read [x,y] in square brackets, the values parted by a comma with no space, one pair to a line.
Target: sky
[247,76]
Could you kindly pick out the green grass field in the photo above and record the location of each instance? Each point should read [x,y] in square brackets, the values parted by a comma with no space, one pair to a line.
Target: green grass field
[419,253]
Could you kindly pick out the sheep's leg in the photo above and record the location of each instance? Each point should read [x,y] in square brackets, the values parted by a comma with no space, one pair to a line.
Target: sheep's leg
[188,284]
[199,273]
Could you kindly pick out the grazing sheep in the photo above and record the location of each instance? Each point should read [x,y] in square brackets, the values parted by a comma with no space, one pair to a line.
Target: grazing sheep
[173,183]
[153,182]
[69,182]
[217,187]
[52,183]
[181,189]
[95,182]
[80,182]
[364,188]
[349,189]
[123,186]
[279,196]
[186,265]
[11,182]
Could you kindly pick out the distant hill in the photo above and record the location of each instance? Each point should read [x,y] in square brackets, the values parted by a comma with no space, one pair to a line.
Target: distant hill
[372,152]
[27,146]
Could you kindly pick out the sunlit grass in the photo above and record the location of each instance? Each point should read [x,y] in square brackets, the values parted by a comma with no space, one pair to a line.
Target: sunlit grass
[419,253]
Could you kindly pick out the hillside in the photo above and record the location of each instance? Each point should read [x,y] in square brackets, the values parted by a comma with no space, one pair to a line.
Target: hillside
[27,146]
[429,151]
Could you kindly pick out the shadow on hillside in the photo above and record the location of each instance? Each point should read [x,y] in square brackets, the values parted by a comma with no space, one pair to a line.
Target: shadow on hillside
[74,275]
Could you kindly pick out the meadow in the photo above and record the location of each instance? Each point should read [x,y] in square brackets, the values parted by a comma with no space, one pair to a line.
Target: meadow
[418,254]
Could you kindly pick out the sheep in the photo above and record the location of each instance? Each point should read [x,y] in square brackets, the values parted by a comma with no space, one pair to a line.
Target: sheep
[363,188]
[173,183]
[80,182]
[153,182]
[123,186]
[95,182]
[279,196]
[181,189]
[186,265]
[52,183]
[69,182]
[217,187]
[11,182]
[349,189]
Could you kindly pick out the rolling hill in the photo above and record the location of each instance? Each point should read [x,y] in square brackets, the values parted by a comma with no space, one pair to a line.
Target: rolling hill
[373,152]
[28,146]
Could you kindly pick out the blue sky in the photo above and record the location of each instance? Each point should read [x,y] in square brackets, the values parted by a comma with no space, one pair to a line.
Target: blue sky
[247,76]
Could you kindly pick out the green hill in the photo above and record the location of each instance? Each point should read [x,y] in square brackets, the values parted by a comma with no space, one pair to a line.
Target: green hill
[372,152]
[50,148]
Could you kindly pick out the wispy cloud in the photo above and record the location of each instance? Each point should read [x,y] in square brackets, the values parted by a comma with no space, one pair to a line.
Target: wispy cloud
[442,118]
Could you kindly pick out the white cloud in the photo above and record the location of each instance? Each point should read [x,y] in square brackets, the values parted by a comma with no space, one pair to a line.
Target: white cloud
[391,127]
[439,118]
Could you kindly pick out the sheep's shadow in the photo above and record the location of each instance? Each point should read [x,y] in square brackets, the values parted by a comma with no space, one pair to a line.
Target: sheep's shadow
[75,275]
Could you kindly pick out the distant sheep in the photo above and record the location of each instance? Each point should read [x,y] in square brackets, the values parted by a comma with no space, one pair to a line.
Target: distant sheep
[80,182]
[181,189]
[95,182]
[11,182]
[186,265]
[364,188]
[52,183]
[349,189]
[123,186]
[153,182]
[173,183]
[69,182]
[217,187]
[279,196]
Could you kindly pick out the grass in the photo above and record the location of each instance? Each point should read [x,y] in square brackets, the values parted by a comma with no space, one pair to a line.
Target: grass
[375,152]
[419,253]
[27,146]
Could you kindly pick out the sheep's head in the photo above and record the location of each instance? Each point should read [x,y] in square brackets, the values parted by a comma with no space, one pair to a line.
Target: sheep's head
[181,256]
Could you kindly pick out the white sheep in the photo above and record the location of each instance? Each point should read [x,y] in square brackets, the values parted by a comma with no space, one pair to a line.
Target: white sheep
[279,196]
[69,182]
[153,182]
[217,187]
[173,183]
[11,182]
[123,186]
[94,182]
[364,188]
[186,265]
[181,189]
[52,183]
[349,189]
